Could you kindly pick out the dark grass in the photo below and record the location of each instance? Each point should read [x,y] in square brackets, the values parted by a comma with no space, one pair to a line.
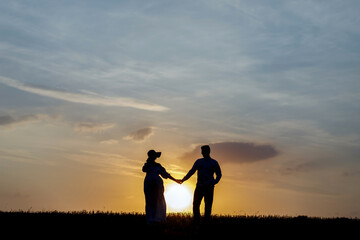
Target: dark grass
[112,225]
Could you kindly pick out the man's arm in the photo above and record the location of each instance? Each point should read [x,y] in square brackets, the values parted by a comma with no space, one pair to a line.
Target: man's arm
[190,173]
[218,173]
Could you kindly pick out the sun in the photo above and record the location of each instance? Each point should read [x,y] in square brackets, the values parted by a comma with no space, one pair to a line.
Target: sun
[178,197]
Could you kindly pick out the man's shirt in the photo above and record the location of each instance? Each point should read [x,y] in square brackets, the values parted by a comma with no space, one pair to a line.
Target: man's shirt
[206,168]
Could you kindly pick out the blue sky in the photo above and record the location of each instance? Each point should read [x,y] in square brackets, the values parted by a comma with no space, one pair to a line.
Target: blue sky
[87,80]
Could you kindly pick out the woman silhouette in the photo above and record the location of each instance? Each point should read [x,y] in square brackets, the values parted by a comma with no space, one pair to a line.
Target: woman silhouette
[155,207]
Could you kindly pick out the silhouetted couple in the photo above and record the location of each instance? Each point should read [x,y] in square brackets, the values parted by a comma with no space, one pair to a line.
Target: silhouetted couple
[155,207]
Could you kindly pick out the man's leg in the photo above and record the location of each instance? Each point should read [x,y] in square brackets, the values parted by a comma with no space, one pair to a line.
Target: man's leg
[209,196]
[198,195]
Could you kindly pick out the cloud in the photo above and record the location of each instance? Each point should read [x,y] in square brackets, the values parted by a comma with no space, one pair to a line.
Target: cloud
[110,142]
[85,97]
[304,166]
[16,155]
[91,127]
[140,135]
[7,120]
[109,163]
[235,152]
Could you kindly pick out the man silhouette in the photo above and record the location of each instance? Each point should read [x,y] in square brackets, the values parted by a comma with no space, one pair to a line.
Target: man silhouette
[206,168]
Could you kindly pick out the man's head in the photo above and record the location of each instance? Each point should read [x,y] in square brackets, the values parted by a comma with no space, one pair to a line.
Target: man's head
[205,150]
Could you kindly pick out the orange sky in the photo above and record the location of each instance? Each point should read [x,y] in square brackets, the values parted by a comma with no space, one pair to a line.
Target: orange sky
[71,171]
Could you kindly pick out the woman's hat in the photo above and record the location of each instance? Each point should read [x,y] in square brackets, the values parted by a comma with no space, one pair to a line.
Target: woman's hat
[153,153]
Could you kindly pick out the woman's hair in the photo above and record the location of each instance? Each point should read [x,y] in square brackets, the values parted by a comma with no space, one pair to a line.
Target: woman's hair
[150,160]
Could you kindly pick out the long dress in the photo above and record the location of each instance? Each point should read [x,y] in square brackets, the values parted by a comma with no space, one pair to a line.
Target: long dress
[155,207]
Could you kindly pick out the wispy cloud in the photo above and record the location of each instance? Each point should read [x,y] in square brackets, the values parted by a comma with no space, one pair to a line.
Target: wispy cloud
[91,127]
[110,142]
[302,167]
[85,97]
[8,120]
[108,163]
[140,135]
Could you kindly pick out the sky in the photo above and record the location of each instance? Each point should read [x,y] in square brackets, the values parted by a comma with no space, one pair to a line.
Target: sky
[88,87]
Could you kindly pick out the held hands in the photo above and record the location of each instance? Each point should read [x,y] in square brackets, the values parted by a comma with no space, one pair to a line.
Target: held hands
[179,181]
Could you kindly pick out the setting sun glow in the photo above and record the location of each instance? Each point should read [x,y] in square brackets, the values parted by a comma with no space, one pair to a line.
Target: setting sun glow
[178,197]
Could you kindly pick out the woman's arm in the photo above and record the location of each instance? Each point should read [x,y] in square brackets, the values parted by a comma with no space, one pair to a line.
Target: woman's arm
[175,180]
[165,175]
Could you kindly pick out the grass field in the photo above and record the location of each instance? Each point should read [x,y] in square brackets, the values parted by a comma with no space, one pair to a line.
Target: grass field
[109,225]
